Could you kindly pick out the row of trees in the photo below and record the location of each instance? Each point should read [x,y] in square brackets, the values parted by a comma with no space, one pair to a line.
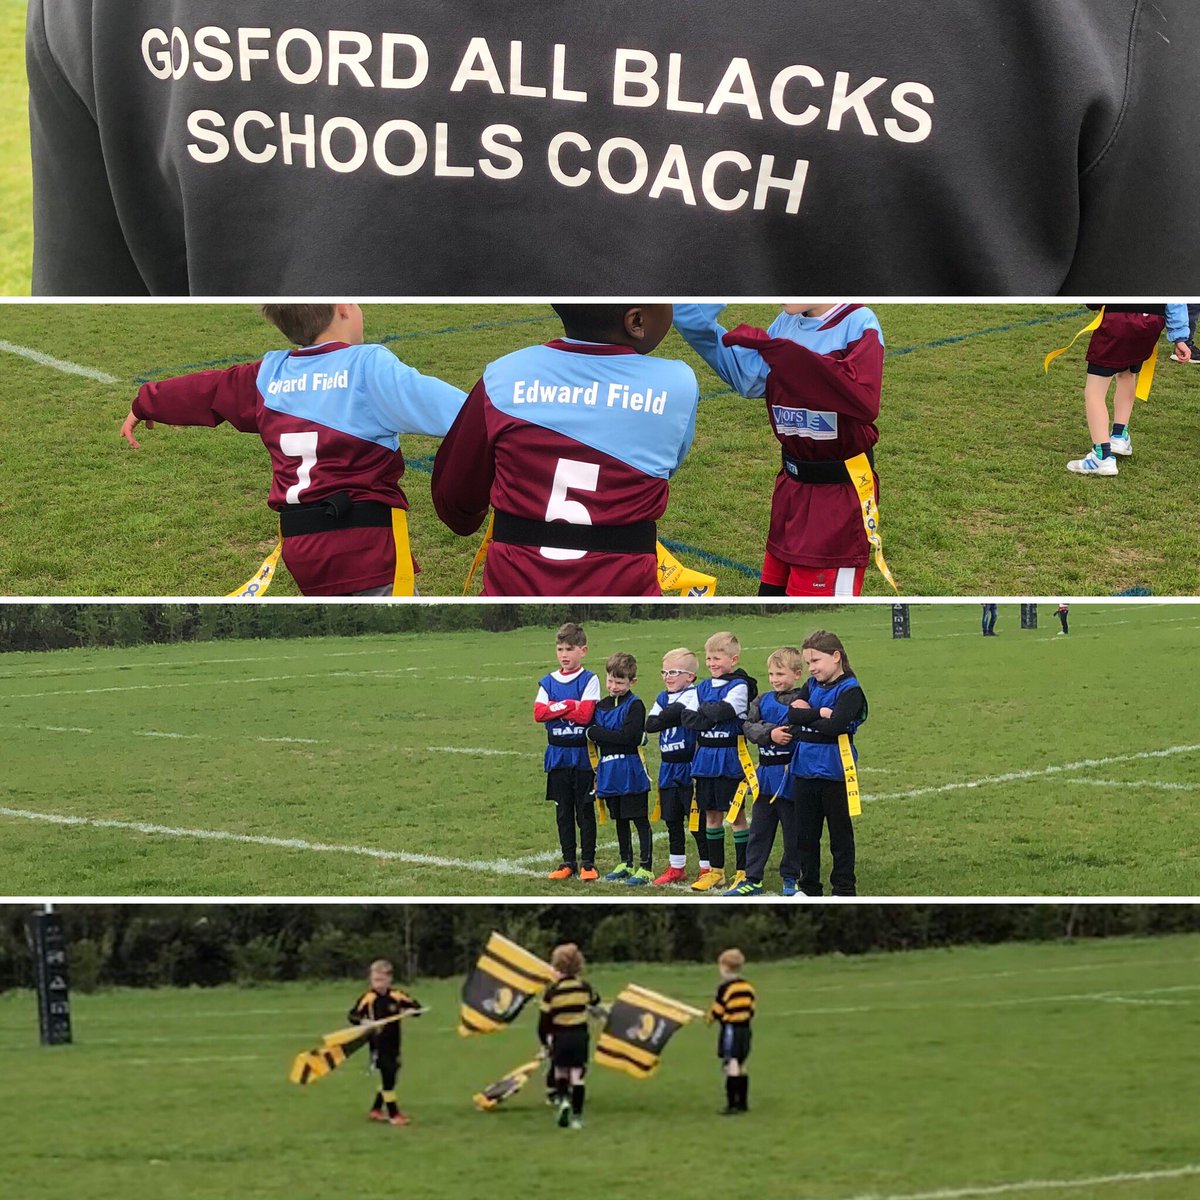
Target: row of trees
[26,627]
[207,945]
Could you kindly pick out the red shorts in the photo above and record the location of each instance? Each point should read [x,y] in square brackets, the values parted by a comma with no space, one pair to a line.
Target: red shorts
[812,581]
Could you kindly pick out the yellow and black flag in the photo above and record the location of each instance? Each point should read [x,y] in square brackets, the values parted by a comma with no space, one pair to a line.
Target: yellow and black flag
[500,985]
[336,1047]
[640,1024]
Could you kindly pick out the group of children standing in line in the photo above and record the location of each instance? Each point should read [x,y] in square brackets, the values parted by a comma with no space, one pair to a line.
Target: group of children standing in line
[804,778]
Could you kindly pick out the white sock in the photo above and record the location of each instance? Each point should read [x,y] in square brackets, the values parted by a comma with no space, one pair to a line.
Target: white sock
[679,861]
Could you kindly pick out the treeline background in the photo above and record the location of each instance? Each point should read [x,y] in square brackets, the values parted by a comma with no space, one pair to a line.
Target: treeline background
[206,945]
[25,627]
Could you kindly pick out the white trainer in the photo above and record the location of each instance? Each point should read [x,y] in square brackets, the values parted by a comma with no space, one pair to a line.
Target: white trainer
[1122,445]
[1091,465]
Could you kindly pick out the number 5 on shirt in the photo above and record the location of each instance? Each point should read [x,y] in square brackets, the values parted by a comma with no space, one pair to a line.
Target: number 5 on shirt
[570,475]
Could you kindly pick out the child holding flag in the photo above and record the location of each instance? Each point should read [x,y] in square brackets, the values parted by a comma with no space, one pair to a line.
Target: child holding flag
[820,368]
[330,414]
[380,1002]
[563,1030]
[733,1010]
[823,719]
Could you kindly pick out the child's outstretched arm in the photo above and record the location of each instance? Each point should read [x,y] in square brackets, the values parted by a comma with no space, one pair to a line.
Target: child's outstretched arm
[207,399]
[465,468]
[742,368]
[407,401]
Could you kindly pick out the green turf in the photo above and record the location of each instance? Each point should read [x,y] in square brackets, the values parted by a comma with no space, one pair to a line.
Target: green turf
[172,737]
[885,1076]
[16,190]
[976,500]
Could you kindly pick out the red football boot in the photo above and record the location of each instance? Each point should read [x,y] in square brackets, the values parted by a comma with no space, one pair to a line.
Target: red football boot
[671,875]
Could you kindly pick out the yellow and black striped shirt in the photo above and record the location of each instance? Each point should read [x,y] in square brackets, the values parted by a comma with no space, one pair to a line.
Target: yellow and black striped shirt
[734,1004]
[565,1003]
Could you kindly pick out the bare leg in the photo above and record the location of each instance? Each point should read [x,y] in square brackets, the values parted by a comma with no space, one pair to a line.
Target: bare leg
[1095,400]
[1125,398]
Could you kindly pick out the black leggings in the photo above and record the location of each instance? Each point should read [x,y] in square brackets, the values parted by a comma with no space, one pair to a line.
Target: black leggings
[645,840]
[820,802]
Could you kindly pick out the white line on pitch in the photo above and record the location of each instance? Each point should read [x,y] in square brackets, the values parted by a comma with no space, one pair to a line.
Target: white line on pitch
[1146,783]
[1037,1185]
[1017,776]
[498,866]
[154,733]
[58,364]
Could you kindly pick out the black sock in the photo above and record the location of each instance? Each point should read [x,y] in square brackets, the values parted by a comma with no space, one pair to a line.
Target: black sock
[744,1092]
[577,1093]
[562,1089]
[624,841]
[731,1091]
[377,1103]
[716,847]
[701,837]
[740,838]
[645,842]
[676,840]
[1118,430]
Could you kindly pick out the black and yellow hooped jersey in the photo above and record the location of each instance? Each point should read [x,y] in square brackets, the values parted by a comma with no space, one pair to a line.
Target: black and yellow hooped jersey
[565,1003]
[734,1004]
[377,1006]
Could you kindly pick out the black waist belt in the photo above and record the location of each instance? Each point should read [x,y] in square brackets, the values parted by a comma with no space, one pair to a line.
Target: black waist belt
[718,741]
[640,538]
[336,512]
[769,758]
[820,472]
[677,756]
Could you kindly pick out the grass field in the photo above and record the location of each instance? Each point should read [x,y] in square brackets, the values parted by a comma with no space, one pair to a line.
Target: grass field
[976,500]
[16,190]
[1031,764]
[884,1077]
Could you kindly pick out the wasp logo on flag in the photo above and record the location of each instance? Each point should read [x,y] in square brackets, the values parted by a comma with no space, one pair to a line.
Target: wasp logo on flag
[500,985]
[640,1024]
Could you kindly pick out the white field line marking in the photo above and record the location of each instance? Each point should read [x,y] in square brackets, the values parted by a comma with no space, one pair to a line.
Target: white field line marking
[496,866]
[1017,776]
[58,364]
[1037,1185]
[483,752]
[153,733]
[1146,783]
[1012,1002]
[203,1058]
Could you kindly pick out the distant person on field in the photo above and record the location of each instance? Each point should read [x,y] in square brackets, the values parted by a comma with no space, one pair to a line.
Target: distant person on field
[380,1002]
[991,613]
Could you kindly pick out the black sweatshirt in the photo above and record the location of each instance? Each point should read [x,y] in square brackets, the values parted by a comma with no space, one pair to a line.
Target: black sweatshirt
[501,147]
[807,726]
[627,739]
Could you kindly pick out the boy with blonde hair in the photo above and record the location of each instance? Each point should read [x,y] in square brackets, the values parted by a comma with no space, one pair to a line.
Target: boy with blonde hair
[380,1002]
[767,726]
[721,764]
[733,1009]
[676,747]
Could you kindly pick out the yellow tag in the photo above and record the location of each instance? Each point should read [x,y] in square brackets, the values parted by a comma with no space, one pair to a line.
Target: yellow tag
[748,788]
[260,585]
[863,478]
[601,811]
[405,583]
[694,814]
[673,576]
[656,812]
[480,555]
[853,795]
[1146,376]
[1054,354]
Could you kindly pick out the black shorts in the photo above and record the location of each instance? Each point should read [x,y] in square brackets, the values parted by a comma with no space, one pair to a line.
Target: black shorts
[569,1048]
[733,1043]
[676,802]
[628,808]
[716,795]
[570,785]
[1109,372]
